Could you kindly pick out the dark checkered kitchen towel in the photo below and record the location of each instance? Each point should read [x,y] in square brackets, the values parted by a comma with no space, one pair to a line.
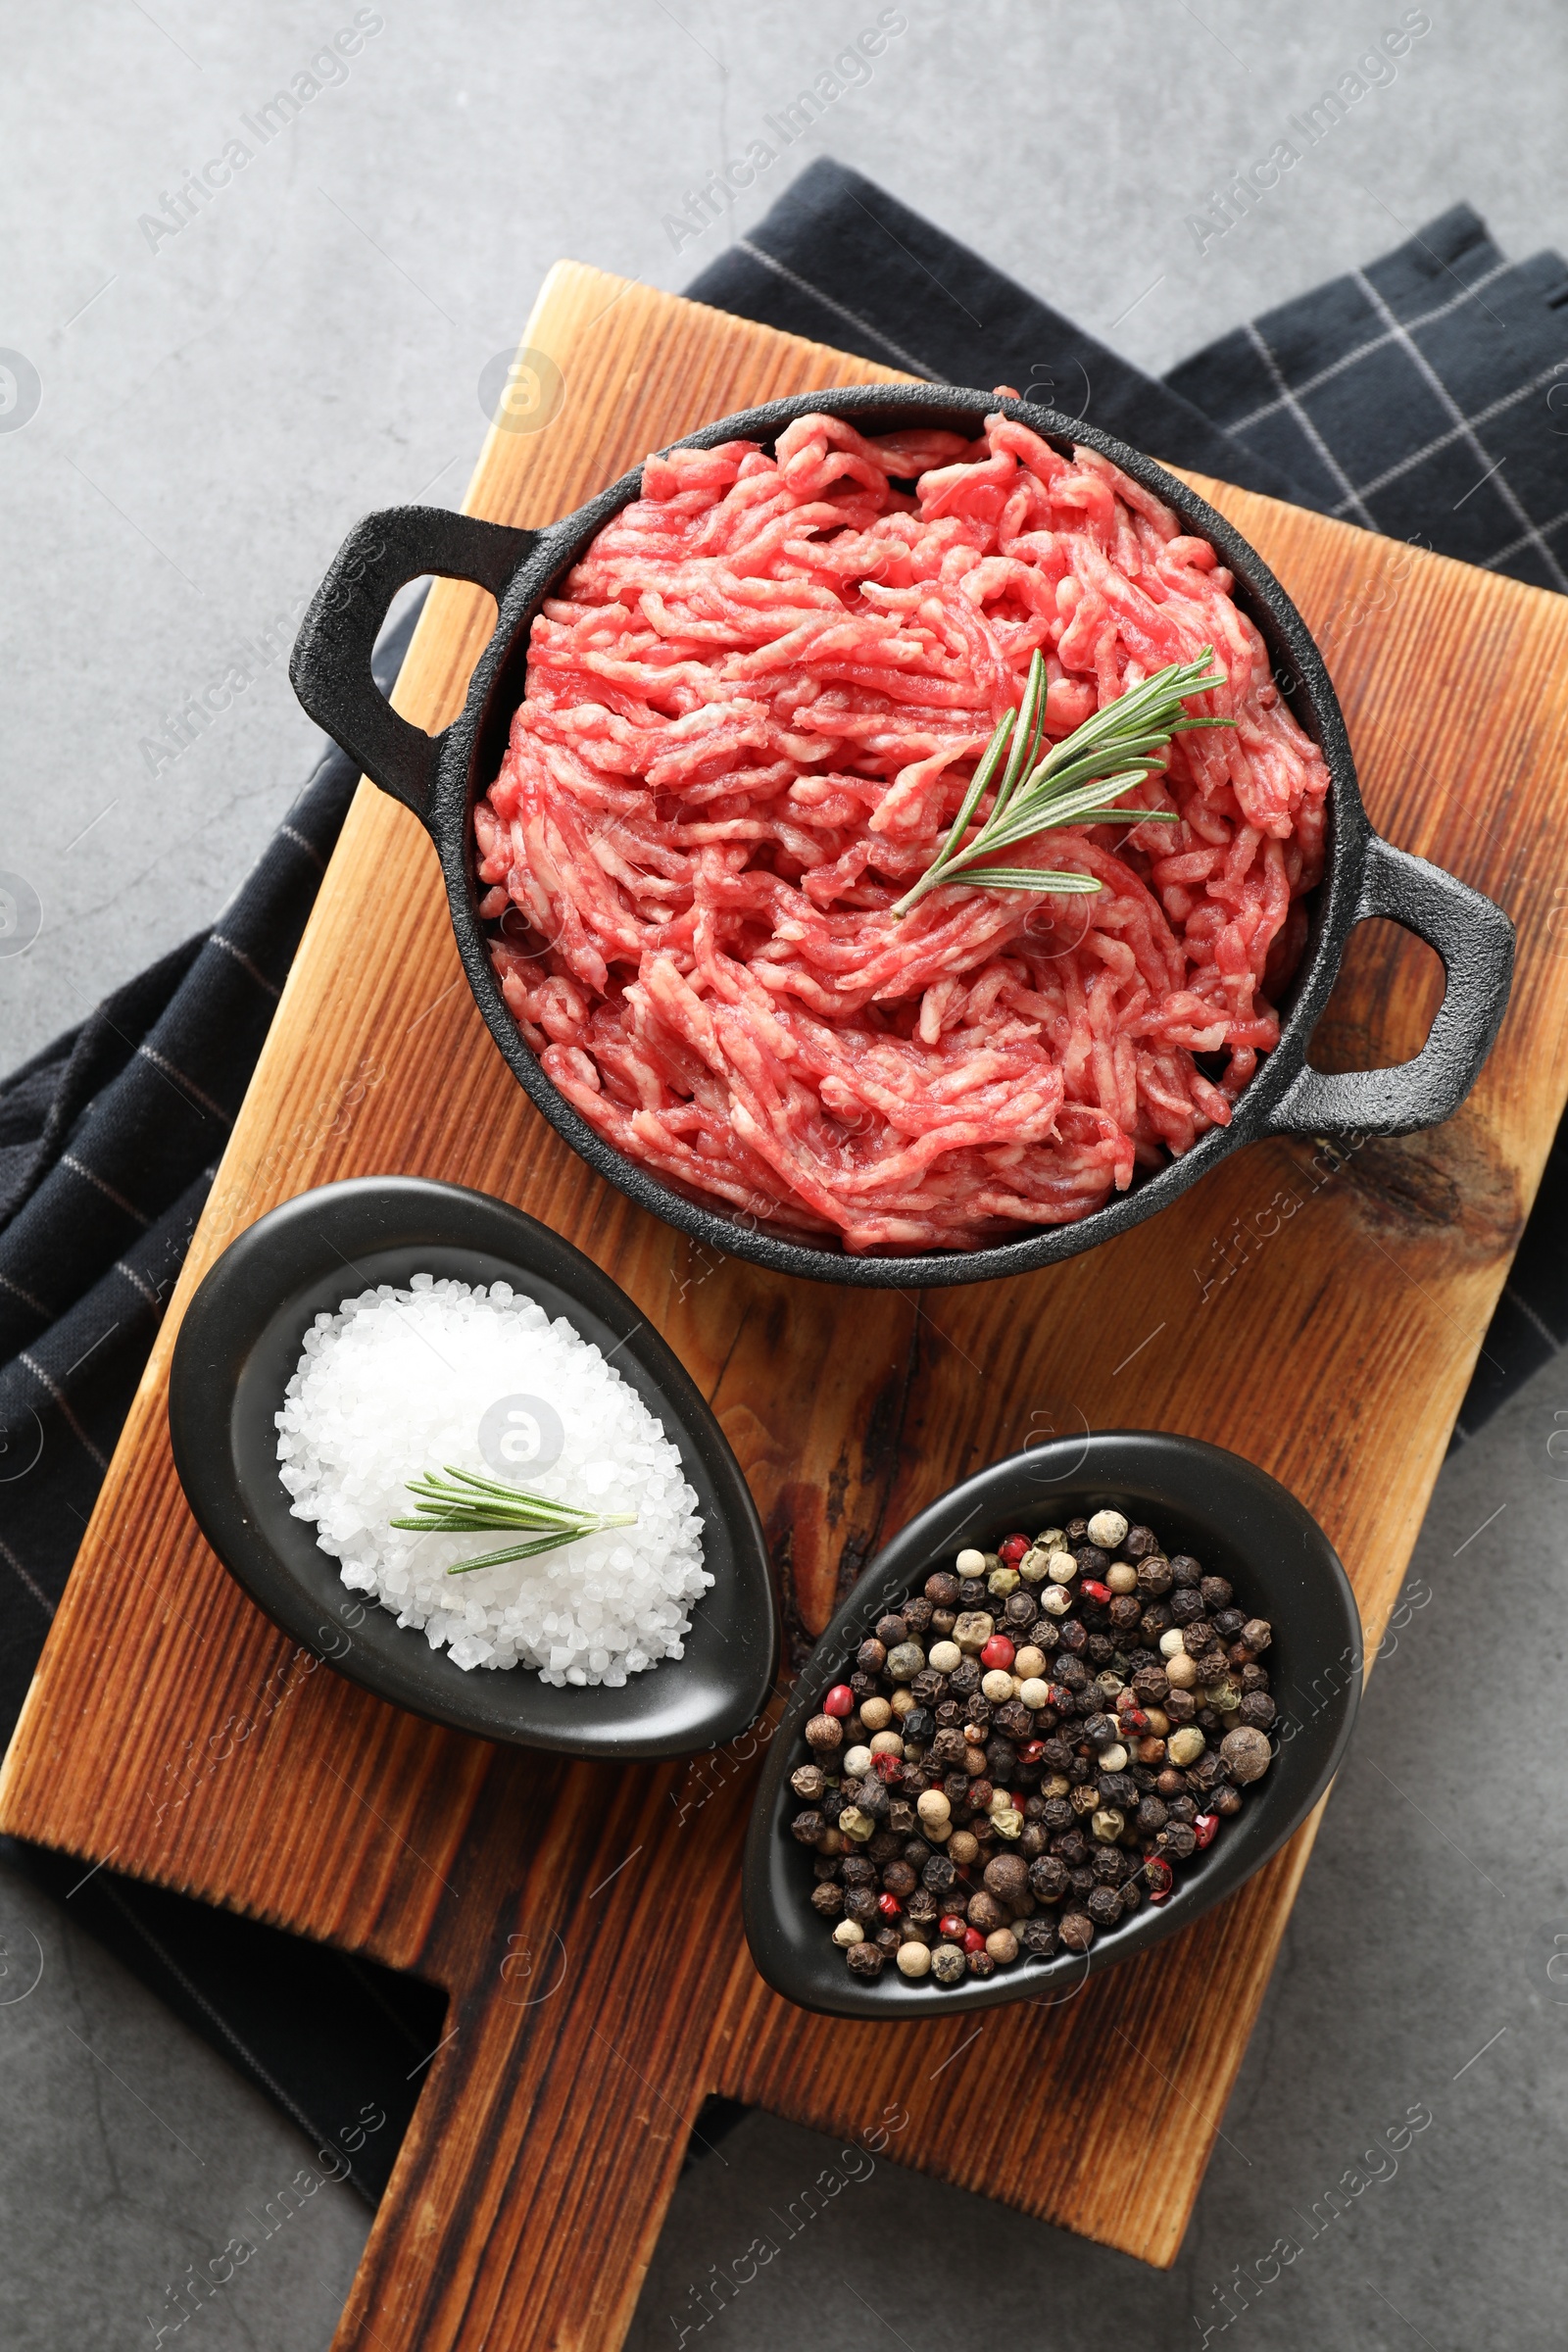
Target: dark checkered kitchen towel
[1422,396]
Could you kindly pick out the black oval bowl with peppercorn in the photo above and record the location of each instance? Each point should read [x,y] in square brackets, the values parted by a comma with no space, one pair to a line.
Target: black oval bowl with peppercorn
[1181,1656]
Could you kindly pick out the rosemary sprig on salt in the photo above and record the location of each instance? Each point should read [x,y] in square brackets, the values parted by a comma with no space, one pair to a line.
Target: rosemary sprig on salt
[460,1503]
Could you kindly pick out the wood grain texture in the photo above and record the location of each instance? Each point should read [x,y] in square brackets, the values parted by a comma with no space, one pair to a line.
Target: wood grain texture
[171,1724]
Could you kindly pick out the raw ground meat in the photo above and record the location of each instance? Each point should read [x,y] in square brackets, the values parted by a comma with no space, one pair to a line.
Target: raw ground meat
[749,720]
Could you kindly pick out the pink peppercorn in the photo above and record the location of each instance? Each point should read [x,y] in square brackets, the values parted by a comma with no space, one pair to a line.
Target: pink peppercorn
[1012,1548]
[890,1906]
[997,1653]
[1205,1827]
[840,1701]
[1093,1589]
[974,1940]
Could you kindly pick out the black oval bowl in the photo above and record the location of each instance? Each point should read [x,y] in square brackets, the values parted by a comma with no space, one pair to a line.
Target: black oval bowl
[1232,1517]
[440,778]
[237,1348]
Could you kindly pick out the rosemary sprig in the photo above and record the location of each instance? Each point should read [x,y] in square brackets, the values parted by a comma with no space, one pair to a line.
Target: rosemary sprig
[460,1503]
[1074,784]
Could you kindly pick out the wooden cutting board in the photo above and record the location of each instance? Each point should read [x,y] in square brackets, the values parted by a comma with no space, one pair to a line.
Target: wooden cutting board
[1320,1312]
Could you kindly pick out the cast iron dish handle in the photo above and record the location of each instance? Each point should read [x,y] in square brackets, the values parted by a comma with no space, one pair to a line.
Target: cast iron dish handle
[330,665]
[1475,940]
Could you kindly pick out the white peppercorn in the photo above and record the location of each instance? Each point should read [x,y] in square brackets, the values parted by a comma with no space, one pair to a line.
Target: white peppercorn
[1106,1529]
[1061,1567]
[970,1562]
[915,1959]
[998,1685]
[856,1763]
[1184,1746]
[1122,1577]
[847,1932]
[1056,1599]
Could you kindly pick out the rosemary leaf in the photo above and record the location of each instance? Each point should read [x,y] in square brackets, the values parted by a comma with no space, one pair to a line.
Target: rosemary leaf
[1072,785]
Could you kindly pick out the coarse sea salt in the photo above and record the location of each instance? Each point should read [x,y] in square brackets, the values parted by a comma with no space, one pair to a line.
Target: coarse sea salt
[399,1382]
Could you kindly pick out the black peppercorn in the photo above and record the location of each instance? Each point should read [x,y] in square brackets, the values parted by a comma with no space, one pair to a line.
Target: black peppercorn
[807,1828]
[898,1878]
[1099,1731]
[1092,1561]
[1077,1932]
[923,1907]
[870,1658]
[941,1590]
[856,1871]
[919,1728]
[891,1630]
[1255,1678]
[1037,1938]
[1172,1783]
[1184,1606]
[1139,1542]
[1125,1611]
[866,1960]
[1132,1892]
[1070,1671]
[1109,1865]
[1012,1719]
[1002,1762]
[1048,1878]
[915,1852]
[1180,1705]
[972,1593]
[1184,1569]
[1217,1591]
[1154,1621]
[965,1679]
[833,1803]
[1118,1789]
[1227,1802]
[943,1621]
[939,1875]
[864,1686]
[1182,1808]
[827,1866]
[1021,1609]
[1152,1815]
[859,1902]
[1257,1709]
[884,1847]
[1155,1577]
[1076,1532]
[1080,1879]
[916,1615]
[808,1783]
[1228,1623]
[949,1715]
[976,1712]
[1104,1906]
[827,1900]
[982,1965]
[1177,1840]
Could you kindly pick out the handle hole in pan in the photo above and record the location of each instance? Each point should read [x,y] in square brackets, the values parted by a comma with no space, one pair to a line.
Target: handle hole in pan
[1383,1003]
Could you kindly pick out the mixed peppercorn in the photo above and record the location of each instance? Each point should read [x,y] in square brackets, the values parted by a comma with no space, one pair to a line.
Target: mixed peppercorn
[1027,1748]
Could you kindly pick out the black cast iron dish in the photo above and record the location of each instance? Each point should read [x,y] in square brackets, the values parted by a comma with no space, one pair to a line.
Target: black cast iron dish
[1234,1518]
[440,779]
[237,1348]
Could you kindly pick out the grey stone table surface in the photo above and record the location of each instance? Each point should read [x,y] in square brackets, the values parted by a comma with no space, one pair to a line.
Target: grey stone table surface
[216,399]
